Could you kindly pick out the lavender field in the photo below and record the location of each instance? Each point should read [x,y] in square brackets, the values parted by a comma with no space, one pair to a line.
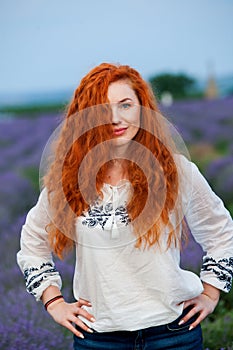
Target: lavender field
[207,129]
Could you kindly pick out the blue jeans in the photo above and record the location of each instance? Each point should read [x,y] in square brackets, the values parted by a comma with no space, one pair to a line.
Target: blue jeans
[165,337]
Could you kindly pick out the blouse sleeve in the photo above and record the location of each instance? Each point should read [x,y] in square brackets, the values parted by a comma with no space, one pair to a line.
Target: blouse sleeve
[35,257]
[212,227]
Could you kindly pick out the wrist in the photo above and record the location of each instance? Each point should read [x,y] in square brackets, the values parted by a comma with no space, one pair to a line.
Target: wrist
[54,300]
[210,291]
[53,305]
[49,293]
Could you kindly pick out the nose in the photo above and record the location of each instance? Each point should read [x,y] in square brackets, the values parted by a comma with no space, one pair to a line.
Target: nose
[115,115]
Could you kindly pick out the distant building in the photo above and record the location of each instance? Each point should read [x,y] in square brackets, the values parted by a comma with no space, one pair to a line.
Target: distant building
[211,91]
[166,99]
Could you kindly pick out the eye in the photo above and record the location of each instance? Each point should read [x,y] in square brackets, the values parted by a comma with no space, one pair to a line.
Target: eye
[125,105]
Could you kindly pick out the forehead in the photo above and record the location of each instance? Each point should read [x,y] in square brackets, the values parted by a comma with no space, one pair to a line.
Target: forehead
[120,90]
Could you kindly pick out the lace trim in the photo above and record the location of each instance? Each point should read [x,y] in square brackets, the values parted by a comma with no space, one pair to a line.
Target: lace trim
[34,276]
[223,269]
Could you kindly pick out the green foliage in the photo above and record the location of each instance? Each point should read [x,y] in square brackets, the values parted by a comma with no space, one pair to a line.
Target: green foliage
[217,328]
[203,154]
[179,85]
[222,146]
[33,110]
[32,174]
[218,334]
[230,208]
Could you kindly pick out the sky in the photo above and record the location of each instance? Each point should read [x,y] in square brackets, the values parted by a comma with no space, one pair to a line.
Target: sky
[49,45]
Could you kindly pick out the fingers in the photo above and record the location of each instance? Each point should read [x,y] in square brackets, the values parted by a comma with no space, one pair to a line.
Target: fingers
[69,326]
[188,303]
[67,314]
[76,320]
[73,318]
[201,307]
[82,302]
[79,311]
[194,311]
[197,321]
[85,314]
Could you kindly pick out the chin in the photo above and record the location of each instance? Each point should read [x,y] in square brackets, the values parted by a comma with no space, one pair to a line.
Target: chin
[122,141]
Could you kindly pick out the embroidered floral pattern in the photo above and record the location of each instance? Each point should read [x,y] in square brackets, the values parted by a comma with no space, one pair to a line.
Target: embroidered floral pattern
[99,214]
[34,276]
[223,269]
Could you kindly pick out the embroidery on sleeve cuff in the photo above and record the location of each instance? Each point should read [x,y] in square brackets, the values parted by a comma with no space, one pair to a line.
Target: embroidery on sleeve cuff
[223,269]
[34,276]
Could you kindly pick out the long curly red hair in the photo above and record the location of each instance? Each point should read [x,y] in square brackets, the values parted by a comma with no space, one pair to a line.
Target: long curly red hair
[63,178]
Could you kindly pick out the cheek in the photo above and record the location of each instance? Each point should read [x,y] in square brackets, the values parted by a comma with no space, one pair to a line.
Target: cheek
[134,119]
[132,131]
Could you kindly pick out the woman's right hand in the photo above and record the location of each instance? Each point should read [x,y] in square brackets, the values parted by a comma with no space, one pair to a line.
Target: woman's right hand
[67,313]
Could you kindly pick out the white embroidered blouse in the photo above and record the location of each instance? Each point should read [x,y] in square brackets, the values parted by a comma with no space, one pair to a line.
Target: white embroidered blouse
[131,288]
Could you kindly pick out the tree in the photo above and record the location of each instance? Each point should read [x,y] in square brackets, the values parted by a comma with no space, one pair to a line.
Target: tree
[179,85]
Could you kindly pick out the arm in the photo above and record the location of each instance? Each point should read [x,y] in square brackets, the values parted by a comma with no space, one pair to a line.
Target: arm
[42,279]
[35,258]
[212,227]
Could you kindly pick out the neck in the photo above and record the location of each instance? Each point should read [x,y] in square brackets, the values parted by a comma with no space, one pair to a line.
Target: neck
[116,172]
[120,151]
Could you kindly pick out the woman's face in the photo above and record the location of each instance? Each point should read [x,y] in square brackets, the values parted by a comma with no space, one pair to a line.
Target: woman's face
[125,111]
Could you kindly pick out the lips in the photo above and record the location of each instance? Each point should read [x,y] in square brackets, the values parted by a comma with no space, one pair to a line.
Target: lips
[119,132]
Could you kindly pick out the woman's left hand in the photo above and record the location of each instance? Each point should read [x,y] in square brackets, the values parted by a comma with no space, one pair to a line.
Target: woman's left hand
[203,305]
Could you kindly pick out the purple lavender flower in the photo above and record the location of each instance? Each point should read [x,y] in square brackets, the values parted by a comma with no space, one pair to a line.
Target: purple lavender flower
[27,326]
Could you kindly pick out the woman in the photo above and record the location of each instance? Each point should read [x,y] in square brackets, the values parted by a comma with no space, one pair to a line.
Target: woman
[120,192]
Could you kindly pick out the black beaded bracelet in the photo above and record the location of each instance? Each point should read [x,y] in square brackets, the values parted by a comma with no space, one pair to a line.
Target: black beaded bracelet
[52,300]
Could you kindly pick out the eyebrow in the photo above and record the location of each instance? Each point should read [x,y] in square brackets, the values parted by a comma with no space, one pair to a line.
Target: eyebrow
[125,99]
